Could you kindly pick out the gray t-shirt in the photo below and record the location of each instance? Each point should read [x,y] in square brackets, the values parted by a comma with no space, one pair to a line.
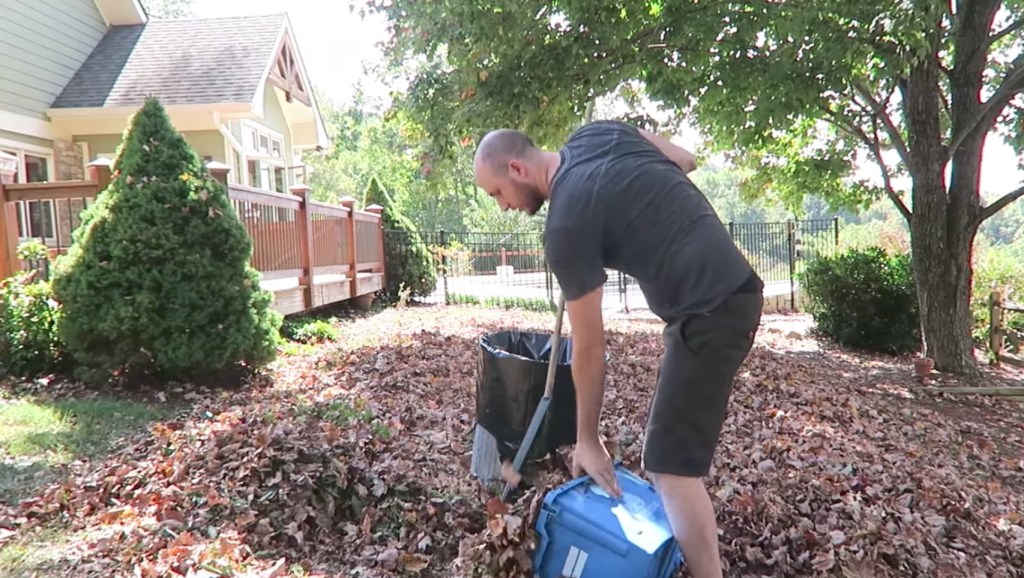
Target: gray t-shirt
[617,202]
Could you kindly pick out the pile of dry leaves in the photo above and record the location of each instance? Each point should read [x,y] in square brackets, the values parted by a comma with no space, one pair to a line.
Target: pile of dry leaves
[355,462]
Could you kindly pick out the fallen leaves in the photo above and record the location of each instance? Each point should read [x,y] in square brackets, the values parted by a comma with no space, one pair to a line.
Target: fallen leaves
[353,462]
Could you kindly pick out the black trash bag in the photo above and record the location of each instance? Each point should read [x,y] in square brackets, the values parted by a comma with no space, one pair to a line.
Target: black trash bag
[513,367]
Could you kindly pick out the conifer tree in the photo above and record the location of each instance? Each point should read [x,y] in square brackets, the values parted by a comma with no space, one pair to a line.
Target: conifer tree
[408,262]
[158,279]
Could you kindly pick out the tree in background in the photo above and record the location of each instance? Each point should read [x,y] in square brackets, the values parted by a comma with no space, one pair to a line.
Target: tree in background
[157,280]
[798,94]
[433,192]
[168,9]
[408,261]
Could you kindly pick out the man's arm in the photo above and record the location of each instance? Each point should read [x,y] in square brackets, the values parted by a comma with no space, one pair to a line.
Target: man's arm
[680,156]
[588,370]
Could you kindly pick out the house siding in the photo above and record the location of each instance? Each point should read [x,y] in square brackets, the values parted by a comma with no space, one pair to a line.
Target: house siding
[43,43]
[17,138]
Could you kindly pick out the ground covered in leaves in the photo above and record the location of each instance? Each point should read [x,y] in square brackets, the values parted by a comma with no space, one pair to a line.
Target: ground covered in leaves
[353,459]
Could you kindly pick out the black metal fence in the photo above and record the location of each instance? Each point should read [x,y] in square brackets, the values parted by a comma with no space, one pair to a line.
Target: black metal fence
[510,269]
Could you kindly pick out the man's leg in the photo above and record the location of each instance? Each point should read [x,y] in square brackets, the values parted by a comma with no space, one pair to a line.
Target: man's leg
[693,522]
[702,356]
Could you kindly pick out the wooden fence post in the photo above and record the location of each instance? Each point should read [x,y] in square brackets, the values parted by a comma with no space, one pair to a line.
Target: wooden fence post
[100,173]
[219,171]
[350,204]
[8,260]
[995,324]
[379,211]
[305,218]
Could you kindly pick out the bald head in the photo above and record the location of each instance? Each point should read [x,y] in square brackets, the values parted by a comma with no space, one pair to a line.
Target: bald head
[512,170]
[498,147]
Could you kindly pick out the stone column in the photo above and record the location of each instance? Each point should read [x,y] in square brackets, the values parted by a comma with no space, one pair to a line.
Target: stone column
[68,162]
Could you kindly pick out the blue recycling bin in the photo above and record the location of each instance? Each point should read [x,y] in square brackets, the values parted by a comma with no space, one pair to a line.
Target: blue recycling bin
[584,533]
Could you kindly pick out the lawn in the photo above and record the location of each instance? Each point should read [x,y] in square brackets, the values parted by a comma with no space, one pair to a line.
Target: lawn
[351,458]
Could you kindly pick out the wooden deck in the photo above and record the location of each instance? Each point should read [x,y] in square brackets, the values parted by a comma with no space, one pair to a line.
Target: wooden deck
[309,253]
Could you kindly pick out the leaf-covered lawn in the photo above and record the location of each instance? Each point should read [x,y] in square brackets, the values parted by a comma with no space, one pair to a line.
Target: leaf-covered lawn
[354,461]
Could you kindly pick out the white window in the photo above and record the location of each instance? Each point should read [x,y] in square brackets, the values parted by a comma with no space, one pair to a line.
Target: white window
[263,158]
[36,219]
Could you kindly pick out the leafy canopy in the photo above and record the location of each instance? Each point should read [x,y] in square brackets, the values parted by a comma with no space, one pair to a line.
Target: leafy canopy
[800,91]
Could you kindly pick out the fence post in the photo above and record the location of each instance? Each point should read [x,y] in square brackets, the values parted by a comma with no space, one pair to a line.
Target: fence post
[305,218]
[8,260]
[995,325]
[835,223]
[444,264]
[219,171]
[99,172]
[792,264]
[350,203]
[379,211]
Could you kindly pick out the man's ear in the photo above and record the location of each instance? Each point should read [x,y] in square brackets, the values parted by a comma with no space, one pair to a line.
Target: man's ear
[516,168]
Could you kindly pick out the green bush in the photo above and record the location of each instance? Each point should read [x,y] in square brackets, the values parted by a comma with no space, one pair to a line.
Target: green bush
[29,323]
[309,331]
[408,262]
[865,298]
[157,281]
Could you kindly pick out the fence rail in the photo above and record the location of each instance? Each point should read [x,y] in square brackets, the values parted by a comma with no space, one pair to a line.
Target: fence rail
[308,253]
[477,266]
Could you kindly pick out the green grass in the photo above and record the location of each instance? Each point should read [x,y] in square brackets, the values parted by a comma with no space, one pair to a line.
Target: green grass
[38,436]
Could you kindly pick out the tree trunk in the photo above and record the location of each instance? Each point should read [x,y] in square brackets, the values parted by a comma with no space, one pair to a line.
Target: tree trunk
[943,226]
[942,270]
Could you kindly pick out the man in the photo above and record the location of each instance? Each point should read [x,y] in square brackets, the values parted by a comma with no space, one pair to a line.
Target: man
[619,197]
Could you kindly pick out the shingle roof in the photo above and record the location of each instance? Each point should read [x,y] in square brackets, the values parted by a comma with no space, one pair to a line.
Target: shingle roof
[194,61]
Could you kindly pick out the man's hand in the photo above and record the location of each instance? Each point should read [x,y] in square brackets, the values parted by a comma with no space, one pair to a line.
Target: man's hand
[590,456]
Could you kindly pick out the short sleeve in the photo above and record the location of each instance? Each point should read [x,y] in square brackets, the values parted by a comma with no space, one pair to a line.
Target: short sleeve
[575,257]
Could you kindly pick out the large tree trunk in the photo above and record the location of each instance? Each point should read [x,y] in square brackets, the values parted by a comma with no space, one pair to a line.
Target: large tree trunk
[943,226]
[942,268]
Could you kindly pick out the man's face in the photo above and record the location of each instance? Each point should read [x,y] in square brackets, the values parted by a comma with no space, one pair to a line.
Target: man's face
[512,190]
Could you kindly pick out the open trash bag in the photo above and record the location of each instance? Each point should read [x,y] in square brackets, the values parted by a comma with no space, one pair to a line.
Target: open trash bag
[513,367]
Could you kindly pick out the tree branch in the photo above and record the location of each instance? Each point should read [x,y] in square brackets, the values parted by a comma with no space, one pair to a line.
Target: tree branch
[874,145]
[890,128]
[1001,203]
[1010,29]
[890,191]
[1011,85]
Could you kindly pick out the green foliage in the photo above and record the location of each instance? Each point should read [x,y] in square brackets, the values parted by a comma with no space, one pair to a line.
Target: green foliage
[798,93]
[408,262]
[309,330]
[864,298]
[998,268]
[158,279]
[30,318]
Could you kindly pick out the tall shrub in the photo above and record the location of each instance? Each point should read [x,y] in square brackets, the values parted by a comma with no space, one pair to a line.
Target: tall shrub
[408,262]
[865,298]
[158,277]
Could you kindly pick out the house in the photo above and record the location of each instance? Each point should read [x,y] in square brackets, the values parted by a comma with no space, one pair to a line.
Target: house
[73,72]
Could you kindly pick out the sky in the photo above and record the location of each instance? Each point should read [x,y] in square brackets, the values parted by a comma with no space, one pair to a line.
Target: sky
[334,43]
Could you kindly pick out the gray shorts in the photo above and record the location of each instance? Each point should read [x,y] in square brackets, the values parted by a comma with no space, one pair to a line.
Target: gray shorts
[702,356]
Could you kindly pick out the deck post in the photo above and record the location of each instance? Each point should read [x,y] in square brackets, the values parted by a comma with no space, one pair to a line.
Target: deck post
[305,218]
[379,211]
[99,172]
[353,269]
[8,260]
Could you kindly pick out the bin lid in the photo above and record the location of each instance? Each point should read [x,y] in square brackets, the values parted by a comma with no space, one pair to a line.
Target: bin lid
[638,517]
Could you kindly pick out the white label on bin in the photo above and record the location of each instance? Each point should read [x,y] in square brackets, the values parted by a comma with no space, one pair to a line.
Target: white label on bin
[574,563]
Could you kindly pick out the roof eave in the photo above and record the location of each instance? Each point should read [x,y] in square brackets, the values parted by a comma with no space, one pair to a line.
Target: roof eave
[115,111]
[122,12]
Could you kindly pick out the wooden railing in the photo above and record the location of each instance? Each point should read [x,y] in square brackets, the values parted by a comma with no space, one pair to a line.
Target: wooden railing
[998,307]
[308,253]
